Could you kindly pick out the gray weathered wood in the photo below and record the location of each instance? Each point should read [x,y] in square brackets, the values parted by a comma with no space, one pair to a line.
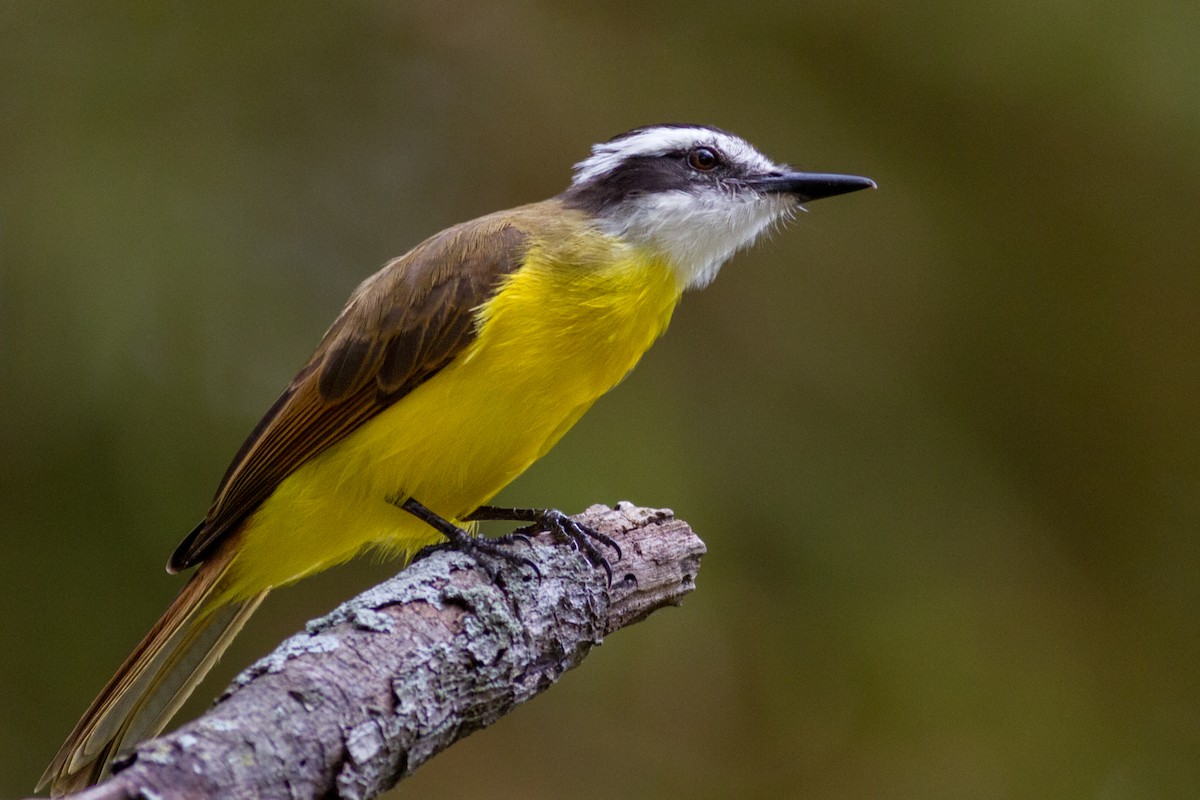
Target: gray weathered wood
[371,691]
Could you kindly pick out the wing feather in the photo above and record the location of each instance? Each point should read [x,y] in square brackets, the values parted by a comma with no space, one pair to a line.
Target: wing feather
[400,327]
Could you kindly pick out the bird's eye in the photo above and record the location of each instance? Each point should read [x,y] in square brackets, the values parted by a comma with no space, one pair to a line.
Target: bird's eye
[703,159]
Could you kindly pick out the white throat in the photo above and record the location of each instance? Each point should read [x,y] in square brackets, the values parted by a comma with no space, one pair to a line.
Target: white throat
[696,235]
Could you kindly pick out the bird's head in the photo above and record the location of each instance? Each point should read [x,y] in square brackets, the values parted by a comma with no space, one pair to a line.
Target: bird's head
[692,193]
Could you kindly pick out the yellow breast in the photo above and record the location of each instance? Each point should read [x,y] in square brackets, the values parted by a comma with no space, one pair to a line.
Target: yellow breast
[563,329]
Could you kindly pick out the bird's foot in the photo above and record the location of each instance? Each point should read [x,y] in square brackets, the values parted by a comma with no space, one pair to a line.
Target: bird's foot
[485,551]
[563,528]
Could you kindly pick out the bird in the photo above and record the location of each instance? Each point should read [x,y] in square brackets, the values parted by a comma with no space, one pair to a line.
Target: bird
[448,373]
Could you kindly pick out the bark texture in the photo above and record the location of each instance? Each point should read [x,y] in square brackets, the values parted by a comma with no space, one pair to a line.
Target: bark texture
[368,693]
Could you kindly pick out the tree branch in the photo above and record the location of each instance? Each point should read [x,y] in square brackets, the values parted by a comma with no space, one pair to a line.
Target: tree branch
[368,693]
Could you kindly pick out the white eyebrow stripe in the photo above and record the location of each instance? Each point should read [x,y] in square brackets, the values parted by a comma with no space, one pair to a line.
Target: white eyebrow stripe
[607,156]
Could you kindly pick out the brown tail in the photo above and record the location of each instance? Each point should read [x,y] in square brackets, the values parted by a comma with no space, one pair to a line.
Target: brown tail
[155,679]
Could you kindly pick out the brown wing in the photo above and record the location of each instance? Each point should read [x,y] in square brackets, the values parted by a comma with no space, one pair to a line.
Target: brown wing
[400,327]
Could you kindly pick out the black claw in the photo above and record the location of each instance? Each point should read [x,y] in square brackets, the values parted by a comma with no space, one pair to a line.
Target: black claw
[514,537]
[580,537]
[564,530]
[484,550]
[580,532]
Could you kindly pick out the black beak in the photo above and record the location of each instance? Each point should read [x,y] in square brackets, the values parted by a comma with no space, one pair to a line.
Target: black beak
[808,186]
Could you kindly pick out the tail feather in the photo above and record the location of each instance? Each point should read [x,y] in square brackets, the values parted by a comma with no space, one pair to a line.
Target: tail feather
[155,679]
[195,657]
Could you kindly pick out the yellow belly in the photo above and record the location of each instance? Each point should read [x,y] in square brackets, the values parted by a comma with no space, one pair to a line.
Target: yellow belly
[550,343]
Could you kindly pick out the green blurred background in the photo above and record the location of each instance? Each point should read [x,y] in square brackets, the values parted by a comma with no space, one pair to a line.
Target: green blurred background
[940,439]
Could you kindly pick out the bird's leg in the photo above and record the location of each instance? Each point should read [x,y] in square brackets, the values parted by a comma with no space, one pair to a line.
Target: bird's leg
[458,539]
[560,526]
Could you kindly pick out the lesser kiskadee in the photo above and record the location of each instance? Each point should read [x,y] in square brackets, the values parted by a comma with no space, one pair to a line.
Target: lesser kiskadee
[449,372]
